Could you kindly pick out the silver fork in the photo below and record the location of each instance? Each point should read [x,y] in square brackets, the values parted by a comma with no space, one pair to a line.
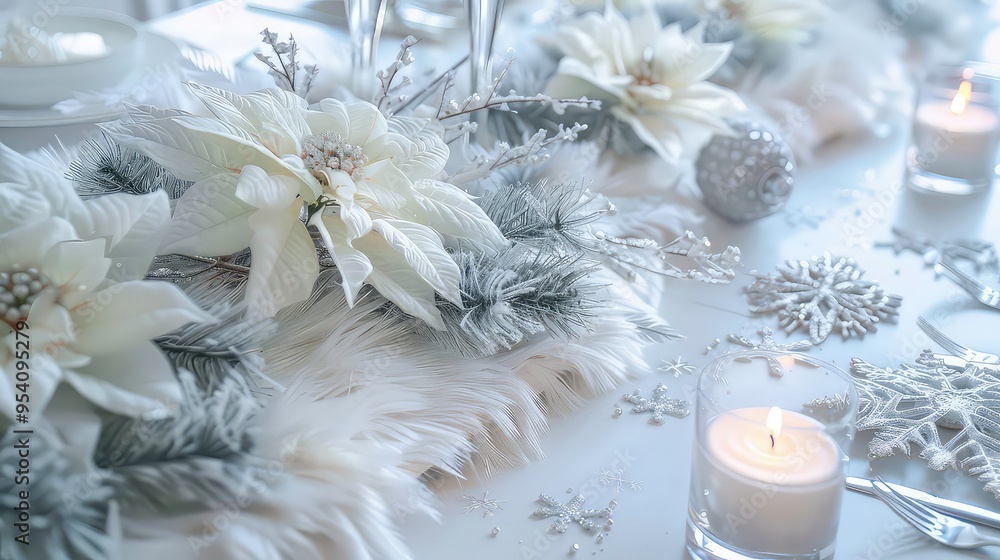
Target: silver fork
[944,529]
[983,293]
[955,348]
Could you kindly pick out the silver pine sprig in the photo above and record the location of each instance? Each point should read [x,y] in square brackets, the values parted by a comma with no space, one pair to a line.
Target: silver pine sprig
[515,294]
[198,458]
[105,167]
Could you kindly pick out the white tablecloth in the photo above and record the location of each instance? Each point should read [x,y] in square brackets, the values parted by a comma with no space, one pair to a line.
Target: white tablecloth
[854,195]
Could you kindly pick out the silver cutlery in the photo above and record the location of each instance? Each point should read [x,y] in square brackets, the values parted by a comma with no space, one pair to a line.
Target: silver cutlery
[955,348]
[961,510]
[984,294]
[944,529]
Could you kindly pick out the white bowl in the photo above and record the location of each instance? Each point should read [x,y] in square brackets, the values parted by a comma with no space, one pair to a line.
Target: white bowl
[47,84]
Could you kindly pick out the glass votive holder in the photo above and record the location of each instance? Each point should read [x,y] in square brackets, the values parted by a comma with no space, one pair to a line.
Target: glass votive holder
[769,459]
[956,131]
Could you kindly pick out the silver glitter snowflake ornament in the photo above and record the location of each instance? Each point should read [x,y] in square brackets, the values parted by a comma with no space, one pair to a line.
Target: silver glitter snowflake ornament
[982,254]
[574,512]
[821,294]
[660,405]
[767,342]
[907,406]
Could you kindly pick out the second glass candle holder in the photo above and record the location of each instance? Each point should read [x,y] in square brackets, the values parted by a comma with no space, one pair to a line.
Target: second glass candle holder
[769,459]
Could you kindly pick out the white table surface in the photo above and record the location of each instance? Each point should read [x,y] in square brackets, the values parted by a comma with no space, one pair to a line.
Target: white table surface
[856,186]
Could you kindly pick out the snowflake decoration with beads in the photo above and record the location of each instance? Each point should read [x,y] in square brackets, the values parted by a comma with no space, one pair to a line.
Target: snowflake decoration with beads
[574,512]
[909,405]
[821,294]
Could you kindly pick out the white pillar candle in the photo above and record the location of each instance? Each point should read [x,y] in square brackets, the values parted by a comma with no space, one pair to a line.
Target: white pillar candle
[956,138]
[771,480]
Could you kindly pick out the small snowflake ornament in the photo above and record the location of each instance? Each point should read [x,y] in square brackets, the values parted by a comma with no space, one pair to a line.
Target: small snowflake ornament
[821,294]
[907,406]
[574,512]
[676,366]
[660,405]
[488,505]
[617,479]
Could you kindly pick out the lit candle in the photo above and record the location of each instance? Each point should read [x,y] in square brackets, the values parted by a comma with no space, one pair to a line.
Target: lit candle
[957,138]
[772,480]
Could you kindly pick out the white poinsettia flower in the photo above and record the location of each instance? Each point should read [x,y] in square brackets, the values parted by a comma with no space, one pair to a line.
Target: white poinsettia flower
[370,185]
[83,330]
[72,269]
[653,77]
[772,20]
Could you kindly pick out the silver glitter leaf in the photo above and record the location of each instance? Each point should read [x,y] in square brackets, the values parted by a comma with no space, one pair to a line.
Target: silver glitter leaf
[660,405]
[909,405]
[821,294]
[573,512]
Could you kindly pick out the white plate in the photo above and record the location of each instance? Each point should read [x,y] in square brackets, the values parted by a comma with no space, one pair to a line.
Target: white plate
[159,50]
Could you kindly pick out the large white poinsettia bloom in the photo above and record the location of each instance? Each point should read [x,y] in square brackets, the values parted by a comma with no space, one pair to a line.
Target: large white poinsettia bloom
[370,185]
[771,20]
[653,77]
[72,271]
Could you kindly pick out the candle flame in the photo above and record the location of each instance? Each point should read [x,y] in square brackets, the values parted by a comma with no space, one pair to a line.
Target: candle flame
[774,423]
[968,74]
[958,104]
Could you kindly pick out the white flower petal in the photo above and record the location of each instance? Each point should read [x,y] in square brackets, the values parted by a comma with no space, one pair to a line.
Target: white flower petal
[284,266]
[45,182]
[422,249]
[332,116]
[134,226]
[209,219]
[343,190]
[126,314]
[275,118]
[367,122]
[396,280]
[575,79]
[354,265]
[45,378]
[424,153]
[26,246]
[450,211]
[135,381]
[195,148]
[20,205]
[77,268]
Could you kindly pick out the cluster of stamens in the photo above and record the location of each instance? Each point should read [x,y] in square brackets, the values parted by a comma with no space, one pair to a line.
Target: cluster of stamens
[327,150]
[18,291]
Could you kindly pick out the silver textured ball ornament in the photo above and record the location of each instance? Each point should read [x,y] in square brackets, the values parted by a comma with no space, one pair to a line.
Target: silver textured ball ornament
[748,175]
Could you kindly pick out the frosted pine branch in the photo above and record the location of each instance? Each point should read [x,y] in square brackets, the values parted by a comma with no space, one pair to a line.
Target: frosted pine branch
[388,94]
[286,70]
